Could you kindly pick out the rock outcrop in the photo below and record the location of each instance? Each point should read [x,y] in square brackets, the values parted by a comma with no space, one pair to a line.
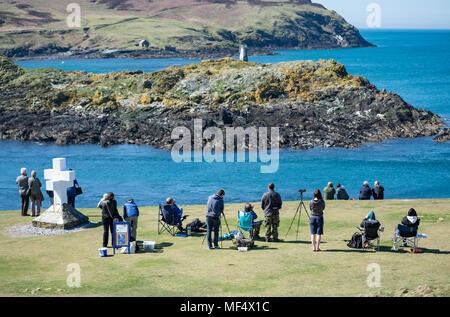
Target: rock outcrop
[312,103]
[443,136]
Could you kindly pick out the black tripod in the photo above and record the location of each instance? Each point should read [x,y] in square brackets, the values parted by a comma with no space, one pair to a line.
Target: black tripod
[299,212]
[229,232]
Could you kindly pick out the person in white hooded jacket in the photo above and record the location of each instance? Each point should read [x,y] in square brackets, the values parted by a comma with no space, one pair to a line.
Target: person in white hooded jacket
[411,220]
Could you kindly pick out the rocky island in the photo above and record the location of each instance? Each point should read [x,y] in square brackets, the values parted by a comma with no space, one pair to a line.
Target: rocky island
[195,29]
[312,103]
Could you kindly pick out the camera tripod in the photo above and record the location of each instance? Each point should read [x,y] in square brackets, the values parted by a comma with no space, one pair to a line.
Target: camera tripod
[299,212]
[229,232]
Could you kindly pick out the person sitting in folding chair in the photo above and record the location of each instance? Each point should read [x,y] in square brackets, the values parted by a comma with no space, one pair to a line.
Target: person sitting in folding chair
[407,232]
[178,213]
[256,225]
[370,228]
[169,218]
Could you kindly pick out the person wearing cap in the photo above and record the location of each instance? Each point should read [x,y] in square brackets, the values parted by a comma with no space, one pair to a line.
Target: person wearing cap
[256,225]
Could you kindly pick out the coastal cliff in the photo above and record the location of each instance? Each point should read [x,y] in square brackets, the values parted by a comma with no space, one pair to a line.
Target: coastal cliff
[313,104]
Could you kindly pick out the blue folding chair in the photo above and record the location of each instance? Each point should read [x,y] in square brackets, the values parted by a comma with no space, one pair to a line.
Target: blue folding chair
[405,236]
[245,223]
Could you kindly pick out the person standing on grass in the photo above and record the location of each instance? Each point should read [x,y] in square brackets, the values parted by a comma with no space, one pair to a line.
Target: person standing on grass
[131,214]
[35,194]
[317,206]
[214,209]
[22,181]
[329,191]
[109,213]
[271,204]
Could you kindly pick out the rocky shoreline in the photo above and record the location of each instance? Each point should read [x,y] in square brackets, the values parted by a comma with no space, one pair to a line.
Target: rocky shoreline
[312,103]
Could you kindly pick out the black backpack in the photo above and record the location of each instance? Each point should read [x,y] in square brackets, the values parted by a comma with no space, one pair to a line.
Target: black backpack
[356,241]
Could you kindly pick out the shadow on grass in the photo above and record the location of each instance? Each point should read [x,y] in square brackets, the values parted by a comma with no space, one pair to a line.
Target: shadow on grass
[299,242]
[159,248]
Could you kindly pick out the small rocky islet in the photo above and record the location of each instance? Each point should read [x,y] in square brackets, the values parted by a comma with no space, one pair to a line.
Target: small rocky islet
[312,103]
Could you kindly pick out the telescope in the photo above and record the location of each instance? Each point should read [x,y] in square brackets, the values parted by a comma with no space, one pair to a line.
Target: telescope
[302,190]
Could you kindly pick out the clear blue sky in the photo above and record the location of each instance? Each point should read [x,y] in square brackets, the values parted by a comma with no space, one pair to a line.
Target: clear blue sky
[398,14]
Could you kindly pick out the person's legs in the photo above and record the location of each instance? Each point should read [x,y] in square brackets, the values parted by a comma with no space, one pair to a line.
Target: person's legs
[107,226]
[268,224]
[313,241]
[33,207]
[318,237]
[24,200]
[275,226]
[38,206]
[216,232]
[209,226]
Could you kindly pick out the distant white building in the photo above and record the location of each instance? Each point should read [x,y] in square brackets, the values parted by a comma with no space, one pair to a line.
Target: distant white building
[144,44]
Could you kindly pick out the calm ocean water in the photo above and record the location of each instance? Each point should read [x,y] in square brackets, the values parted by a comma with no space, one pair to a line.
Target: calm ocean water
[414,64]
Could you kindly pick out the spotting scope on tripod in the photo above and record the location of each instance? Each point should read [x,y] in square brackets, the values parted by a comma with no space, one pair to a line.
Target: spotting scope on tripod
[301,206]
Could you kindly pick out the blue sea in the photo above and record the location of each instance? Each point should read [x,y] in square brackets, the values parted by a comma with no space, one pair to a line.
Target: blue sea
[412,63]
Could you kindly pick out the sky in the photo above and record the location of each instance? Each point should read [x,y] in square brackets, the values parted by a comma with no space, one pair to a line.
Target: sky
[394,14]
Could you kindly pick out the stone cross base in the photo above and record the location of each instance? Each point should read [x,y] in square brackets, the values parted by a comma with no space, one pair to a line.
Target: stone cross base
[60,217]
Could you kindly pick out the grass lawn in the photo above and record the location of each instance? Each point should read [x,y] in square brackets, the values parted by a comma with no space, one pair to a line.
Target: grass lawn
[185,267]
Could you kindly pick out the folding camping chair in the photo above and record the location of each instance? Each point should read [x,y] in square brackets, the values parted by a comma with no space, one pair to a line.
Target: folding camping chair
[167,220]
[371,234]
[405,236]
[245,223]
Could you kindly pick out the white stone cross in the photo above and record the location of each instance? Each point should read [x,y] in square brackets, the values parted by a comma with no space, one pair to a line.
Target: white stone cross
[58,180]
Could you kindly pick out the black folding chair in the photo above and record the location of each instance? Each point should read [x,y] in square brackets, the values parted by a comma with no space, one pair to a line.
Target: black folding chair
[371,234]
[167,220]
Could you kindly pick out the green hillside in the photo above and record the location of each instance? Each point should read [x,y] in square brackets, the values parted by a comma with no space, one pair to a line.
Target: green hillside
[39,27]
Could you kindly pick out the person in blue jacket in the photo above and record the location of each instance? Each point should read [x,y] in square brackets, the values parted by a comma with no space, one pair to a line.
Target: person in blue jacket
[256,224]
[131,214]
[214,210]
[177,213]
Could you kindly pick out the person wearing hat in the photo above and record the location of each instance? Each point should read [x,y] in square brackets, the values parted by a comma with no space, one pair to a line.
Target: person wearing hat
[256,225]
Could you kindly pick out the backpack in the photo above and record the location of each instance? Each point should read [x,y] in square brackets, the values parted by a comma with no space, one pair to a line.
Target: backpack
[196,225]
[356,241]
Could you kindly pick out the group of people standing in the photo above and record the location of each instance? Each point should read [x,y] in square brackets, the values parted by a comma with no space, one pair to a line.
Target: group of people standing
[30,189]
[271,203]
[365,192]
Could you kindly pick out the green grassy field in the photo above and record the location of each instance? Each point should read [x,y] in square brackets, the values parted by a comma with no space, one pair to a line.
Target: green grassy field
[185,267]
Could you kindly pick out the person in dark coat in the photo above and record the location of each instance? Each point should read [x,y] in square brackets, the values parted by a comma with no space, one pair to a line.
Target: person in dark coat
[341,193]
[365,192]
[109,213]
[378,191]
[271,203]
[411,220]
[36,196]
